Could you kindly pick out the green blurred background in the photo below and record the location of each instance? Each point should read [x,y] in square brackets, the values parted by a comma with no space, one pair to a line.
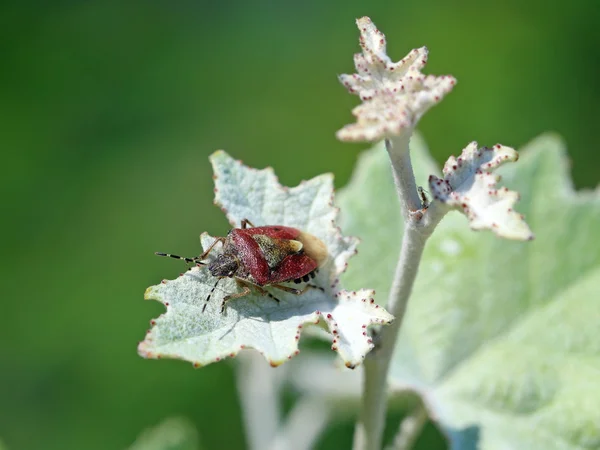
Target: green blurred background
[108,113]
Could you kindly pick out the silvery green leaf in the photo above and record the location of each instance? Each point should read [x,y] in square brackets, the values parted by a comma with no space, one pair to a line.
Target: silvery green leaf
[257,321]
[500,337]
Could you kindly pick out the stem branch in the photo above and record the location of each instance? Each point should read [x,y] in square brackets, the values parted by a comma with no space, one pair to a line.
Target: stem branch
[369,430]
[304,425]
[404,177]
[410,429]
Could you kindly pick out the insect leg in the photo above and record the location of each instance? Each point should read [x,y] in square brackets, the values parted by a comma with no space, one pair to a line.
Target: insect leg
[268,294]
[297,291]
[291,290]
[209,249]
[260,289]
[245,291]
[314,286]
[245,223]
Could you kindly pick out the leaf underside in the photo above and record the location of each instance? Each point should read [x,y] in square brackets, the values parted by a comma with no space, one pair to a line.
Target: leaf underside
[470,186]
[500,337]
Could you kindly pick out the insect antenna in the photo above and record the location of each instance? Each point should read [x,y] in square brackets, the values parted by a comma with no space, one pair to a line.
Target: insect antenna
[194,260]
[209,294]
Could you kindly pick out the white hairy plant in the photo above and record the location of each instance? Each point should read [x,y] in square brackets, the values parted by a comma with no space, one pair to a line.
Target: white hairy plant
[500,338]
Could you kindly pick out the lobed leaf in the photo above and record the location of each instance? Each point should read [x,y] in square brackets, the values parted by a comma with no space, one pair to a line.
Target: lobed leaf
[500,337]
[256,321]
[394,95]
[469,186]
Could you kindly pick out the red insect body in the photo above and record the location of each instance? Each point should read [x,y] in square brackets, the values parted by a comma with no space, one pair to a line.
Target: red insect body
[273,231]
[290,267]
[264,256]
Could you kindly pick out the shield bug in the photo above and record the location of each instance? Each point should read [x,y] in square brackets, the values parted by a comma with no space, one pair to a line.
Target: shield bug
[265,256]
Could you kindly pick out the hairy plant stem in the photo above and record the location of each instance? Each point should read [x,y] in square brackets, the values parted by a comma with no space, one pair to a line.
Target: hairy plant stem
[304,424]
[369,430]
[258,387]
[404,177]
[410,429]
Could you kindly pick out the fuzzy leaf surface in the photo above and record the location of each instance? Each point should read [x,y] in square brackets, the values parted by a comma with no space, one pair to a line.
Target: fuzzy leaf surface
[500,337]
[257,321]
[470,186]
[395,94]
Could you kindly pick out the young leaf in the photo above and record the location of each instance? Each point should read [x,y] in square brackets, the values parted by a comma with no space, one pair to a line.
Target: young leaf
[469,186]
[394,95]
[256,321]
[500,337]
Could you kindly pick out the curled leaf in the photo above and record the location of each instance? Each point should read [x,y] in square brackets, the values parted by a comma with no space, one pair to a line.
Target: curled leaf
[470,186]
[394,95]
[189,331]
